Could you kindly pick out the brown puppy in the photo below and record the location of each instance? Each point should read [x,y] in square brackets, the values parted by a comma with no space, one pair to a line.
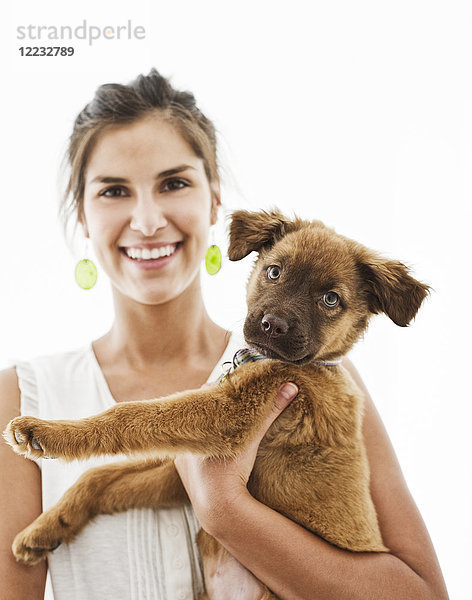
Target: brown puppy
[310,296]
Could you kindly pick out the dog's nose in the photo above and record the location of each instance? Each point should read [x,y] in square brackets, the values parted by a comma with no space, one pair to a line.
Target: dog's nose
[274,326]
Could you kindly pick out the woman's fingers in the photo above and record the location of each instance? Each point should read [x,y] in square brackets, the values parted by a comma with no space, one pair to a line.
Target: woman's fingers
[286,393]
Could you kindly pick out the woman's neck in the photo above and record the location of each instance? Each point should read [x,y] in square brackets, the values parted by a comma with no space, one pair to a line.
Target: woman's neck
[168,333]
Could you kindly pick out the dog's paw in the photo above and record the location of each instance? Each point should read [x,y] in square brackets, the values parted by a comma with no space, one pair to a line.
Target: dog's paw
[33,544]
[26,435]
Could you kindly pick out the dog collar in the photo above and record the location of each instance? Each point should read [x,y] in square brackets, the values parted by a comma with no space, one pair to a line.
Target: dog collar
[328,363]
[242,356]
[251,355]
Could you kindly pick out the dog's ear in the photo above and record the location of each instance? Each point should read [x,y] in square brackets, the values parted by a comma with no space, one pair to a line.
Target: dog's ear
[391,289]
[252,231]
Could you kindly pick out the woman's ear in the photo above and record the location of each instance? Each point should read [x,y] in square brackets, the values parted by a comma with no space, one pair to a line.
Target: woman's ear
[85,230]
[81,220]
[215,201]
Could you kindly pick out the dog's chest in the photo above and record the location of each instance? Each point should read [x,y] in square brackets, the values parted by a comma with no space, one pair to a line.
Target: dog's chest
[286,454]
[321,423]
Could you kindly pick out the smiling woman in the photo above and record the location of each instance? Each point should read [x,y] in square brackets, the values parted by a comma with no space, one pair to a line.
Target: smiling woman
[144,188]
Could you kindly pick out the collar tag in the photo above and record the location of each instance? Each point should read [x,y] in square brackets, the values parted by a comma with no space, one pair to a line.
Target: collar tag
[242,356]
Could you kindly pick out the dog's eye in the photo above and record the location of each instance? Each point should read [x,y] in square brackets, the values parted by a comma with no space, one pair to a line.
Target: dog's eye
[331,299]
[273,272]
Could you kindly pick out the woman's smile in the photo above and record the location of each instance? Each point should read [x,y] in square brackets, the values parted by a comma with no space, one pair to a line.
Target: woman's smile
[151,256]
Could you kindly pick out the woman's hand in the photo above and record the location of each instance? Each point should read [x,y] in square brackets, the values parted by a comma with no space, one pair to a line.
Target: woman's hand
[212,484]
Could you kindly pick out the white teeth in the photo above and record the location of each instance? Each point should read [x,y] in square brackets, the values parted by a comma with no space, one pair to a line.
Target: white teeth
[146,254]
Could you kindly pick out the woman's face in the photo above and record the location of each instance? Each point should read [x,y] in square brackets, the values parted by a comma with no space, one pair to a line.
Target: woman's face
[148,207]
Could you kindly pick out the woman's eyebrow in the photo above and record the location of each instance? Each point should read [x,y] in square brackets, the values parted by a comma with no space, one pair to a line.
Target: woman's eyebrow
[104,179]
[174,171]
[162,174]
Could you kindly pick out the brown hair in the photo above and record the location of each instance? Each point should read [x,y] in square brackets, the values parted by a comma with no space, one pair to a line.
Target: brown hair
[116,104]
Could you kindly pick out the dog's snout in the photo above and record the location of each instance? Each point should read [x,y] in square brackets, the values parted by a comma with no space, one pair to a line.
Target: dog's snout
[274,326]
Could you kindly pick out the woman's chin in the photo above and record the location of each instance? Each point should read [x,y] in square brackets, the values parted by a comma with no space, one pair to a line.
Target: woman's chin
[153,293]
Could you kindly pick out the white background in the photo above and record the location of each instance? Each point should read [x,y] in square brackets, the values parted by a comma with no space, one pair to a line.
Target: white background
[356,113]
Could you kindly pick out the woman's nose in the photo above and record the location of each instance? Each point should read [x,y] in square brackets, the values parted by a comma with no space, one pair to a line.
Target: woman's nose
[147,216]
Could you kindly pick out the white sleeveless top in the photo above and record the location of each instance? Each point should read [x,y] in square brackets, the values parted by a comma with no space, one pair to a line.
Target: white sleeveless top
[142,554]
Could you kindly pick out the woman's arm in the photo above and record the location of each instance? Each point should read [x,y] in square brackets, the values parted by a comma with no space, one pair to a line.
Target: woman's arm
[296,564]
[20,503]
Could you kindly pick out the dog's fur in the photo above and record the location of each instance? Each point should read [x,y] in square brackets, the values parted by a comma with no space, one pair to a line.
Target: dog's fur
[311,465]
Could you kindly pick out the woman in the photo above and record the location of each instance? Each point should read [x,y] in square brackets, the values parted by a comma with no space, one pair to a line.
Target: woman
[144,183]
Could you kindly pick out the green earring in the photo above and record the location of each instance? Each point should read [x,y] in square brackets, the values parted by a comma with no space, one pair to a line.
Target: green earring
[86,274]
[213,259]
[86,271]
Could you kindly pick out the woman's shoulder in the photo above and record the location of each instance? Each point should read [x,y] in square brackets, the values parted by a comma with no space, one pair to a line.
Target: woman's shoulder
[57,359]
[9,391]
[59,384]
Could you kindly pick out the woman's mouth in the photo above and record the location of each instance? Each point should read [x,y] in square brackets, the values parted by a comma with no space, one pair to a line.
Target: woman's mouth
[151,256]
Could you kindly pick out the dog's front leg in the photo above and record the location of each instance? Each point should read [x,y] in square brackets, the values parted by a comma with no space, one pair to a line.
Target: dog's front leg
[214,421]
[102,490]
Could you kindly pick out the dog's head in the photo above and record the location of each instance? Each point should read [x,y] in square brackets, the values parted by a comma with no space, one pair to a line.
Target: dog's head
[312,292]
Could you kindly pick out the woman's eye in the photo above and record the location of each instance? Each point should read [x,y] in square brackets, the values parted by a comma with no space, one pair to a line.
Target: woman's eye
[273,272]
[331,299]
[174,184]
[114,192]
